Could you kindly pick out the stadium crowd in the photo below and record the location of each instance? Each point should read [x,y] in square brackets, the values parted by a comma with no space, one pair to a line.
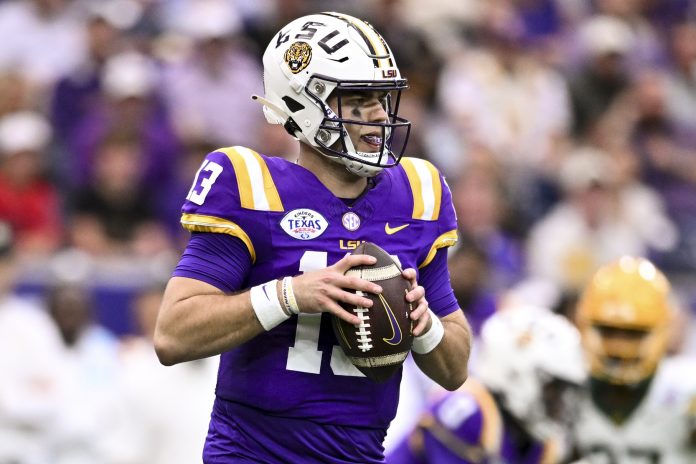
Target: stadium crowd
[566,130]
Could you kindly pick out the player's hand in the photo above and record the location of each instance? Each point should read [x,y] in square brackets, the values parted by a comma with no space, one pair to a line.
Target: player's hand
[416,297]
[323,290]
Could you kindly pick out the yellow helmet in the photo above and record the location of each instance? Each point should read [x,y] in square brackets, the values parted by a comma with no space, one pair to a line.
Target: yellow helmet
[624,315]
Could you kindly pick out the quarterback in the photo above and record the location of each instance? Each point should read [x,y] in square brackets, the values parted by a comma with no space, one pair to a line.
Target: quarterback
[264,268]
[638,407]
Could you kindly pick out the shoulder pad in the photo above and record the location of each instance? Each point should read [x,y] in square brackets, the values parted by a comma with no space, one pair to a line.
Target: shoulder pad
[230,181]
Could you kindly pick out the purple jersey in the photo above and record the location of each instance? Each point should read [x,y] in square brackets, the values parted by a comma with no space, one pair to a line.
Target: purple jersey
[290,223]
[466,427]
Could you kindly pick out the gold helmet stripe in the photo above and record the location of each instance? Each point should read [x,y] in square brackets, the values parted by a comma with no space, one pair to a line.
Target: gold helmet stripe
[374,41]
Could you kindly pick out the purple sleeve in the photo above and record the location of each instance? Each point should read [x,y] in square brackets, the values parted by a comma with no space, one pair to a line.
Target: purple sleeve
[435,279]
[220,260]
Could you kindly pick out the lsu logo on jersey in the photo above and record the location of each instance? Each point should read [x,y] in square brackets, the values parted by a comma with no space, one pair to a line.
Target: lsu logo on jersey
[304,224]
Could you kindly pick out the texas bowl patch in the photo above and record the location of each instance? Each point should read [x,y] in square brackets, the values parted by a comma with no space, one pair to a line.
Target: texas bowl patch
[304,224]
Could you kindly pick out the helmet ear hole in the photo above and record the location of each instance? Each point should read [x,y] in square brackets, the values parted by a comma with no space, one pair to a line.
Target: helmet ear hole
[293,105]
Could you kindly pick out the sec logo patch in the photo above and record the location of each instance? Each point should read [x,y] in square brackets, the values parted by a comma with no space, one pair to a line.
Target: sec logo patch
[351,221]
[304,224]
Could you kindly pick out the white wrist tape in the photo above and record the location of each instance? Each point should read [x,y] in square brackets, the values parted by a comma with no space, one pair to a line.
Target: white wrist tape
[289,296]
[266,305]
[427,342]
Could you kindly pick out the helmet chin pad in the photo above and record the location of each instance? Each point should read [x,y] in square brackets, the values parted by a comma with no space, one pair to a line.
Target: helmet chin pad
[361,169]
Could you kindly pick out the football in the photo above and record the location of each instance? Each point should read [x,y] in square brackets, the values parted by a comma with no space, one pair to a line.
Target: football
[382,340]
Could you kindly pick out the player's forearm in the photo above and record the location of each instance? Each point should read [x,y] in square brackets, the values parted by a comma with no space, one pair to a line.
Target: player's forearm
[447,363]
[196,325]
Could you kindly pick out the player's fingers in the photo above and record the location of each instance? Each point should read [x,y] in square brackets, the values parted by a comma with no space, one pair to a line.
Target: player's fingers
[410,275]
[353,299]
[348,261]
[421,324]
[415,294]
[419,309]
[358,284]
[336,310]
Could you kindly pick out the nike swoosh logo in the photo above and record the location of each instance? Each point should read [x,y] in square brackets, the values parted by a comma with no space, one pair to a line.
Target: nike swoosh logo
[393,230]
[396,337]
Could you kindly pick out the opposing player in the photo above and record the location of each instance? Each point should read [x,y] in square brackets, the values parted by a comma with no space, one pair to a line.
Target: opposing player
[517,406]
[638,407]
[265,264]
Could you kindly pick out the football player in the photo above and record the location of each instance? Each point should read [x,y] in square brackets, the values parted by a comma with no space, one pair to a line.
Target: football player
[264,268]
[517,406]
[634,409]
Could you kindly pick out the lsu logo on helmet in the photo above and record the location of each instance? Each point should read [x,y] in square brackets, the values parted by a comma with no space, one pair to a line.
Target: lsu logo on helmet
[298,56]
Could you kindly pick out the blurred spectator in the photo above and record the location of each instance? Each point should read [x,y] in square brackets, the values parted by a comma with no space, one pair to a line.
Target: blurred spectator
[681,79]
[482,211]
[77,92]
[667,158]
[31,370]
[603,75]
[15,92]
[29,202]
[415,56]
[130,105]
[589,227]
[490,91]
[43,39]
[116,211]
[91,368]
[646,48]
[159,427]
[209,93]
[469,272]
[70,306]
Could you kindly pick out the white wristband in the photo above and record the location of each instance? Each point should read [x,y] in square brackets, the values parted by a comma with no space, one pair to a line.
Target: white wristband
[266,305]
[427,342]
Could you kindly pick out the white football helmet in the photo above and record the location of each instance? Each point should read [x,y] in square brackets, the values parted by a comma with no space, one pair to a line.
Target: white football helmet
[323,54]
[523,352]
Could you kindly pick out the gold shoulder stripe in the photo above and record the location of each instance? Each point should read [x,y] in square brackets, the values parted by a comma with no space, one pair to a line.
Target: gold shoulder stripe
[256,187]
[492,423]
[202,223]
[425,186]
[447,239]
